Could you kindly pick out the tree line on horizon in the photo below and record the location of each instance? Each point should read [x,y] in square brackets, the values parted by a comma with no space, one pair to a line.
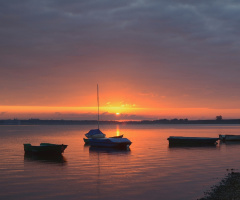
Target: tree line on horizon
[218,120]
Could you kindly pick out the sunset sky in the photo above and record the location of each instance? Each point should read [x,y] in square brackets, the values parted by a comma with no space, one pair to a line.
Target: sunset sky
[151,59]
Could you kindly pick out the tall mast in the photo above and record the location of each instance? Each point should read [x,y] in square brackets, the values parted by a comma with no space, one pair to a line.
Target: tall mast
[98,105]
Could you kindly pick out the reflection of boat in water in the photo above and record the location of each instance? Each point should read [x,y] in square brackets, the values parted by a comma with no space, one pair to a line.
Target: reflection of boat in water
[97,150]
[229,143]
[45,148]
[192,146]
[102,168]
[191,141]
[45,158]
[229,138]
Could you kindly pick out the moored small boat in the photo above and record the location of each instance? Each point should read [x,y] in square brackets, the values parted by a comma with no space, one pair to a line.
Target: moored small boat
[45,148]
[179,140]
[96,138]
[229,137]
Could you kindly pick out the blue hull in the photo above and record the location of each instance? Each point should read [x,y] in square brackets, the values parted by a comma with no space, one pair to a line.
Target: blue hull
[110,142]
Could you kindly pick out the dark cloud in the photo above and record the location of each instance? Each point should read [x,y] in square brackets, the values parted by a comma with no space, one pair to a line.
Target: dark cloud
[51,47]
[157,30]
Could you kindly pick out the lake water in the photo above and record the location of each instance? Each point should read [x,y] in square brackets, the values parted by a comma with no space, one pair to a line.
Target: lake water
[149,170]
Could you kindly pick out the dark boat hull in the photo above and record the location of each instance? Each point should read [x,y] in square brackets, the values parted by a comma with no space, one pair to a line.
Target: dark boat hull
[192,141]
[110,142]
[86,140]
[117,136]
[45,148]
[229,137]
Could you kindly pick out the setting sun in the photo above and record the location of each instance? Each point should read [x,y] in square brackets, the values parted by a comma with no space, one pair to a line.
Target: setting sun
[117,113]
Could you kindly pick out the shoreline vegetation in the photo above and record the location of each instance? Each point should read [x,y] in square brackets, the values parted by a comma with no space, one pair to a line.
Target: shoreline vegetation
[227,189]
[89,122]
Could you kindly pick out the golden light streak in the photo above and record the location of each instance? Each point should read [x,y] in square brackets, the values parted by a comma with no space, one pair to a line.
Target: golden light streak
[117,130]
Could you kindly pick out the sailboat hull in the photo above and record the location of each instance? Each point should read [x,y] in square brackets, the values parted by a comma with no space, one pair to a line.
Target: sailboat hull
[110,142]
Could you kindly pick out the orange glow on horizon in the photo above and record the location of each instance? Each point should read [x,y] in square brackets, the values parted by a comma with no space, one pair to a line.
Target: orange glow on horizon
[77,110]
[153,113]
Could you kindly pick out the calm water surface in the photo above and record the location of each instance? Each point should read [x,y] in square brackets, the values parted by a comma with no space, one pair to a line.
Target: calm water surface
[150,170]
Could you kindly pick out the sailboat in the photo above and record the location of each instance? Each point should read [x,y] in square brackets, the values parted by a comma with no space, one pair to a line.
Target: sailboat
[97,138]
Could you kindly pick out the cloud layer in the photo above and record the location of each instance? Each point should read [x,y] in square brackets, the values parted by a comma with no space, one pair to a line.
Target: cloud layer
[176,53]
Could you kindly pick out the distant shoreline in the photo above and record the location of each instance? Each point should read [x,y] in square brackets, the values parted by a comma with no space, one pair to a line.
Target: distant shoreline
[88,122]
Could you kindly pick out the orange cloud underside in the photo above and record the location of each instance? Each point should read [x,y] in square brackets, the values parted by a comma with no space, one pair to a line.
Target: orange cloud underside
[46,109]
